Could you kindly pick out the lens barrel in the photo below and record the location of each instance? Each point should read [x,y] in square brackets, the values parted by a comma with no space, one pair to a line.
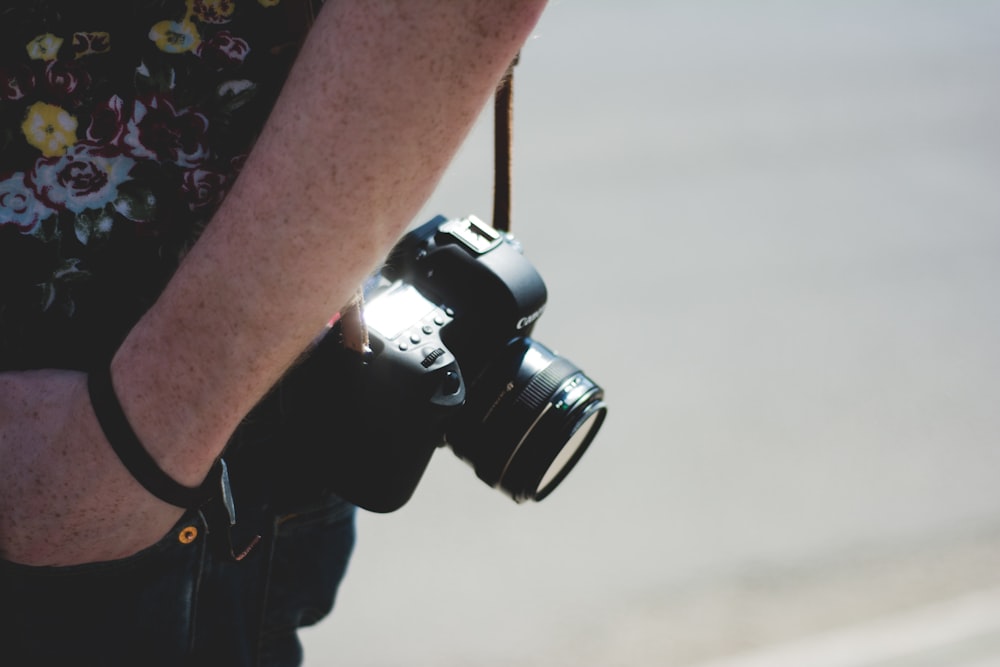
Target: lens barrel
[530,417]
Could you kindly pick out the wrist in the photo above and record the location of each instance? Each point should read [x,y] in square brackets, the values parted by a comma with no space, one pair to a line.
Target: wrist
[133,454]
[183,430]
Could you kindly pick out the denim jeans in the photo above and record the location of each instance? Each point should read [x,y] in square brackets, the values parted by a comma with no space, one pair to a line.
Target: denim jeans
[185,600]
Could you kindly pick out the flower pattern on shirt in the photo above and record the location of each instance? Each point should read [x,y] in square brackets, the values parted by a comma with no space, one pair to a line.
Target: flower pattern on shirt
[123,123]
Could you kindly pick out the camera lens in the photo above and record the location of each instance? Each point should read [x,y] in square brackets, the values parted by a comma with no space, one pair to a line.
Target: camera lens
[531,415]
[583,431]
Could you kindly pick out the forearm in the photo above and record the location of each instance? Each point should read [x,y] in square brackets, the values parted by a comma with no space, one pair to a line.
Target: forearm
[376,105]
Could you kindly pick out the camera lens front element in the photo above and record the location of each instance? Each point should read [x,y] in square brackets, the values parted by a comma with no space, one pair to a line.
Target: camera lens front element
[583,428]
[530,417]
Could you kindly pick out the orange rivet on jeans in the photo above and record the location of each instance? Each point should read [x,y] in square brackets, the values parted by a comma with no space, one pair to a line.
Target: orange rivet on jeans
[188,535]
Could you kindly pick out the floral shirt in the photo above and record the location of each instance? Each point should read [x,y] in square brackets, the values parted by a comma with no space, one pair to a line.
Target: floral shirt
[122,125]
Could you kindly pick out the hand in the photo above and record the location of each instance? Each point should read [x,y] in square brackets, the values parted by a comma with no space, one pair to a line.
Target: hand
[65,498]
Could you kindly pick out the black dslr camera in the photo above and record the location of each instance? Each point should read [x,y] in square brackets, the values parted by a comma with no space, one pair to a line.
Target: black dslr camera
[451,363]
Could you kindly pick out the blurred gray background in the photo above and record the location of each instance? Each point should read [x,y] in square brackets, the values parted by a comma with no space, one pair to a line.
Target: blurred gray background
[771,231]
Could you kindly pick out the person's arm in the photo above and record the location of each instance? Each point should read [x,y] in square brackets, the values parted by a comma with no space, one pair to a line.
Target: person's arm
[377,103]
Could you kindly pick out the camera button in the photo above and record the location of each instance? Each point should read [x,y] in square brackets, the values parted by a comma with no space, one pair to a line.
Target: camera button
[451,383]
[403,347]
[414,338]
[438,320]
[427,329]
[431,354]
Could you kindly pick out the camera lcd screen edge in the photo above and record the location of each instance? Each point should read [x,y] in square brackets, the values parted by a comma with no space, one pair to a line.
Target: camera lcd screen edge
[395,311]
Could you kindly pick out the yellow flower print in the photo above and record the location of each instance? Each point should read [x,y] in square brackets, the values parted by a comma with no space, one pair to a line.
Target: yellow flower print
[91,43]
[212,11]
[49,128]
[269,3]
[44,47]
[174,36]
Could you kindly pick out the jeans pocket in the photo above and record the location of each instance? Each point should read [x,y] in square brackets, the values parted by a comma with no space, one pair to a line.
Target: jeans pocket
[311,550]
[133,611]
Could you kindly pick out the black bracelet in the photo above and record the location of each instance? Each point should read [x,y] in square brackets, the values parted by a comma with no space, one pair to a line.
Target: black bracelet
[134,456]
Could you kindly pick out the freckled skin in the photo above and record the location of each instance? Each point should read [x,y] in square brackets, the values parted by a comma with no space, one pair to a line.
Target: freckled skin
[377,104]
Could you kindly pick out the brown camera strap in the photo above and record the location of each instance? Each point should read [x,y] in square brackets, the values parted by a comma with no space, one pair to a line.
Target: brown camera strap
[503,122]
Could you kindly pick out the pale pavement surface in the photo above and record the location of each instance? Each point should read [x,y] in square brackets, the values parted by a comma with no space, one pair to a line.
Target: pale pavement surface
[771,230]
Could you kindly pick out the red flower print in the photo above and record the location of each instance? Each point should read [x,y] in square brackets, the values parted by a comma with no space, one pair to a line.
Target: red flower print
[223,49]
[157,131]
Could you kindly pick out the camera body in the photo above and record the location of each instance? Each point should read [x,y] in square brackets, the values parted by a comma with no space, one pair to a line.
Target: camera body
[451,362]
